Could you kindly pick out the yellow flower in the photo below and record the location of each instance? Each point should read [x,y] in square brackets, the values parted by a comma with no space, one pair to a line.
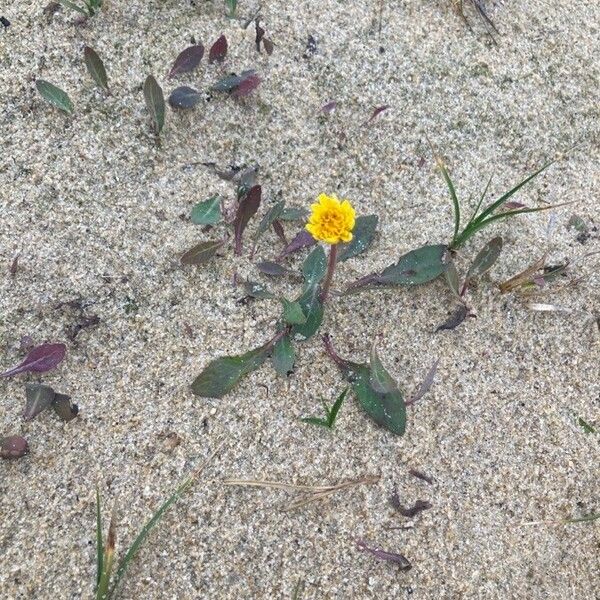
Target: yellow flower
[331,221]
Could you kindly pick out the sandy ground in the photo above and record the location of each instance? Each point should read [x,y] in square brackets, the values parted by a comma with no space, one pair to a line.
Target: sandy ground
[99,213]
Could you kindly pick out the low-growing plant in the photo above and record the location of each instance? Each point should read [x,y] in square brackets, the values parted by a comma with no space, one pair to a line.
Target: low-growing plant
[330,413]
[333,224]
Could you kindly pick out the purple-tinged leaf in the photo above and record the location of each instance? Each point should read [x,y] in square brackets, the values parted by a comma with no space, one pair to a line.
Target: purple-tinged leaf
[260,34]
[485,258]
[13,446]
[425,384]
[39,360]
[218,51]
[38,398]
[376,113]
[14,265]
[329,107]
[513,205]
[455,319]
[274,269]
[247,86]
[184,97]
[247,208]
[64,408]
[227,84]
[302,240]
[410,511]
[394,557]
[95,67]
[421,475]
[278,229]
[201,253]
[187,60]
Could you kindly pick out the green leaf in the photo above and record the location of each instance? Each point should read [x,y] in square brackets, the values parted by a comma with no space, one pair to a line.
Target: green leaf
[283,357]
[54,95]
[316,421]
[381,381]
[95,67]
[271,215]
[221,375]
[293,213]
[207,212]
[362,237]
[314,267]
[417,266]
[452,278]
[201,253]
[292,312]
[312,307]
[335,409]
[155,103]
[485,259]
[231,6]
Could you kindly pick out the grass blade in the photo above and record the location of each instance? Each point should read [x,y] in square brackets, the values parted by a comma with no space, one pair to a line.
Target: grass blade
[483,195]
[148,527]
[504,198]
[453,195]
[584,519]
[335,409]
[102,592]
[99,542]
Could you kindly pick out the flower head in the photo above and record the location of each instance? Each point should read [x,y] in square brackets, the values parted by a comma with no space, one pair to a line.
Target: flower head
[331,220]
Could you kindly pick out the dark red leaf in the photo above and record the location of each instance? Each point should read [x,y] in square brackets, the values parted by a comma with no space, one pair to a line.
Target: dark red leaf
[247,85]
[278,229]
[376,113]
[411,511]
[13,446]
[394,557]
[187,60]
[218,51]
[247,208]
[302,240]
[42,358]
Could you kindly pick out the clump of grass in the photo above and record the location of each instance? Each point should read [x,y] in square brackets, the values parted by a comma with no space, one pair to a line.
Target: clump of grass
[330,413]
[89,8]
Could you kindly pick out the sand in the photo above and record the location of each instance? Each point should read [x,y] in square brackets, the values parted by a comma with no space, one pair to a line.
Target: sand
[99,213]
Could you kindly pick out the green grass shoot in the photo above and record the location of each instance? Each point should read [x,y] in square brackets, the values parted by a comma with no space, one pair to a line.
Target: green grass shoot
[330,413]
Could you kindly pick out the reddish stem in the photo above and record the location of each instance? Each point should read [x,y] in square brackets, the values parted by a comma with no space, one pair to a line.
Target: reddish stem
[333,253]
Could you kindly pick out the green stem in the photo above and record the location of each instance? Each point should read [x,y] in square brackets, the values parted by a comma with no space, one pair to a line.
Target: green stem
[333,254]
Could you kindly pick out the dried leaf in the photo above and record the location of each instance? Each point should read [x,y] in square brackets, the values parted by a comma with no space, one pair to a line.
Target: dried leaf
[218,51]
[455,319]
[155,103]
[273,269]
[207,212]
[302,240]
[279,231]
[485,259]
[187,60]
[95,67]
[54,95]
[221,375]
[64,408]
[38,398]
[13,446]
[184,97]
[425,384]
[201,253]
[523,277]
[247,208]
[362,237]
[40,359]
[410,511]
[394,557]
